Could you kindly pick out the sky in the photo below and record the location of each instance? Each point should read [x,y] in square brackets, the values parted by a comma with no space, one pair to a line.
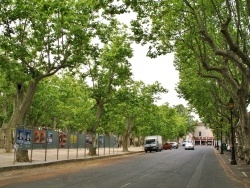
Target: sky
[160,69]
[149,70]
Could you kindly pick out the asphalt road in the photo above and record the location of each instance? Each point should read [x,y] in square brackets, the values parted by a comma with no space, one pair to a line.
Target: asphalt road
[176,168]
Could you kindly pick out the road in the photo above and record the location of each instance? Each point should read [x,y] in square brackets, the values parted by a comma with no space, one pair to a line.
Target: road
[176,168]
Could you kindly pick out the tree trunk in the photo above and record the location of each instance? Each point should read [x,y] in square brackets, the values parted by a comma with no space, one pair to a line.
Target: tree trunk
[239,137]
[22,156]
[21,105]
[125,142]
[99,113]
[92,148]
[129,126]
[8,140]
[54,122]
[244,129]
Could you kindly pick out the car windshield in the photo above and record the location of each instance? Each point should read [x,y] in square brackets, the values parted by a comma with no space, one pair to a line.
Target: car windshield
[150,141]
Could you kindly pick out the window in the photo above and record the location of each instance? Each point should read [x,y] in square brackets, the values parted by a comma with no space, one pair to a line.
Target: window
[200,133]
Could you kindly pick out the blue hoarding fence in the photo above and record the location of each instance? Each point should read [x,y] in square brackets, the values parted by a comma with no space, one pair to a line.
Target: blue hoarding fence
[33,139]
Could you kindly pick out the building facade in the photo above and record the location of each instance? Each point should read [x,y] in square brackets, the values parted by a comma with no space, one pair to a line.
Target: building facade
[203,135]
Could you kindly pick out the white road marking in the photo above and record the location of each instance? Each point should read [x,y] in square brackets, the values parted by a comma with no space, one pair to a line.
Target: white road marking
[125,185]
[146,175]
[244,174]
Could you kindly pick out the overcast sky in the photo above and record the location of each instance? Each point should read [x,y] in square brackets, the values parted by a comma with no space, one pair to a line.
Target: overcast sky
[160,69]
[150,70]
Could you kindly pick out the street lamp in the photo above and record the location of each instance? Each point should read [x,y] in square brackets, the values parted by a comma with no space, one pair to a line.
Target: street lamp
[231,107]
[221,145]
[217,137]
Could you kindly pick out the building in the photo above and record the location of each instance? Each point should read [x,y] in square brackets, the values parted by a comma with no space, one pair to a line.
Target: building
[203,135]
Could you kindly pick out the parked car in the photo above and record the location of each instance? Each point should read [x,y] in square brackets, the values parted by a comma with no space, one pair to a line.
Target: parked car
[174,145]
[167,146]
[189,145]
[184,143]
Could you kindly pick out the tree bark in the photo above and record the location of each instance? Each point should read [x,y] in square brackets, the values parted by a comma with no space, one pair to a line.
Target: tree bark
[125,142]
[21,105]
[92,148]
[22,156]
[244,129]
[99,113]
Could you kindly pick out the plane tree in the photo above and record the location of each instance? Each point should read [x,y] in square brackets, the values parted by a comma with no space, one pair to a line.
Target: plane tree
[185,120]
[206,96]
[173,124]
[7,92]
[61,103]
[133,107]
[214,33]
[40,38]
[107,69]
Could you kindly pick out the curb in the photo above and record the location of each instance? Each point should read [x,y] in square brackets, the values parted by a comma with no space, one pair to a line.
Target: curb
[48,163]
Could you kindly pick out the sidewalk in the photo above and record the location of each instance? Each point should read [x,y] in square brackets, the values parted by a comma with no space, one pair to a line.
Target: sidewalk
[40,157]
[239,172]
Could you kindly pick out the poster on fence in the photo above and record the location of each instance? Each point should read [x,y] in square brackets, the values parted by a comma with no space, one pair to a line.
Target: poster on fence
[20,137]
[27,139]
[73,138]
[73,141]
[89,140]
[23,138]
[50,137]
[62,140]
[39,136]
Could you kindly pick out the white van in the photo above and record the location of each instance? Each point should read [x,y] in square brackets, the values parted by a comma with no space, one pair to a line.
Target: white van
[153,143]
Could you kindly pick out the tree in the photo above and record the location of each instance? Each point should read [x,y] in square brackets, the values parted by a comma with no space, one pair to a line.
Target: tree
[175,121]
[61,103]
[215,34]
[133,105]
[107,69]
[38,39]
[6,94]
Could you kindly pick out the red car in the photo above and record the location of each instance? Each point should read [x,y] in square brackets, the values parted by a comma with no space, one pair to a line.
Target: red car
[167,146]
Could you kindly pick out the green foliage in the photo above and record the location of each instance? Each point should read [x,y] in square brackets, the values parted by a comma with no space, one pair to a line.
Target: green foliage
[175,122]
[62,103]
[132,109]
[7,92]
[211,43]
[40,38]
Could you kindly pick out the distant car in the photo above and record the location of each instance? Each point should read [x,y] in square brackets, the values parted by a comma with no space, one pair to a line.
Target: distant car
[167,146]
[209,143]
[188,146]
[174,145]
[184,143]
